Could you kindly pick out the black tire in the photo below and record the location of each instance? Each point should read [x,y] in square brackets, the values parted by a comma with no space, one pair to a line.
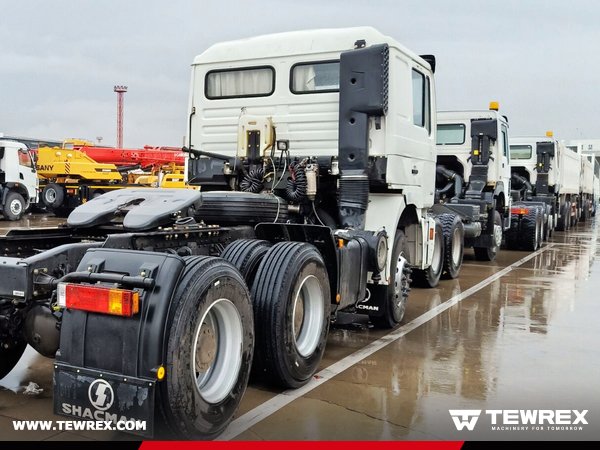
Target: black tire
[549,223]
[62,211]
[97,193]
[545,223]
[541,226]
[454,234]
[396,293]
[511,237]
[241,208]
[585,210]
[14,207]
[10,357]
[246,255]
[210,329]
[429,278]
[490,253]
[530,230]
[288,351]
[53,196]
[562,222]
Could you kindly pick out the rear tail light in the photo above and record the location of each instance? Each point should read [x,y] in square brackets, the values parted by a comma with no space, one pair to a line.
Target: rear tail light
[119,302]
[519,211]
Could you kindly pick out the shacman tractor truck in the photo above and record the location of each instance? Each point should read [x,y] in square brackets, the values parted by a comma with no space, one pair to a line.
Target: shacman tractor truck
[473,175]
[545,170]
[315,151]
[18,179]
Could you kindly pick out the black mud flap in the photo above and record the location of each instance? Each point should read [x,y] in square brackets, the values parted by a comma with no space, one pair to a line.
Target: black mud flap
[86,394]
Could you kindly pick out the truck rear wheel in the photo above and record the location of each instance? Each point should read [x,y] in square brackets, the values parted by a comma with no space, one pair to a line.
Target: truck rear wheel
[9,357]
[246,255]
[14,208]
[490,253]
[292,302]
[209,346]
[563,222]
[530,230]
[454,232]
[397,291]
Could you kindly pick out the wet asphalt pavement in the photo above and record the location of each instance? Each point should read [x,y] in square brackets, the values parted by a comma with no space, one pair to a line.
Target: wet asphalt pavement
[517,334]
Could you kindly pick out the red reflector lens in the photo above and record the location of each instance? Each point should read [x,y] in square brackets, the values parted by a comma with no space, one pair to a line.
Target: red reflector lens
[119,302]
[519,211]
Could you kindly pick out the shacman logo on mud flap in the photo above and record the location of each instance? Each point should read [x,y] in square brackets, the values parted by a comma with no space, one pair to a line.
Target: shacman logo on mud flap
[521,420]
[101,395]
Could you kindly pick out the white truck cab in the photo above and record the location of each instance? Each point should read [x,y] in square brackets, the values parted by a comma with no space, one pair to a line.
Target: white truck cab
[454,145]
[354,108]
[549,171]
[18,179]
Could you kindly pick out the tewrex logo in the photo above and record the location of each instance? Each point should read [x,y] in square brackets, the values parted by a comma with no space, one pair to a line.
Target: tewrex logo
[467,418]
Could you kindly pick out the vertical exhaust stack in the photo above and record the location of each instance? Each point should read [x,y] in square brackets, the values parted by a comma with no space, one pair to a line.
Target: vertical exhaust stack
[363,94]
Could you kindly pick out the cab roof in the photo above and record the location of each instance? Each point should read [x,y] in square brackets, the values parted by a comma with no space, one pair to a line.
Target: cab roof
[303,42]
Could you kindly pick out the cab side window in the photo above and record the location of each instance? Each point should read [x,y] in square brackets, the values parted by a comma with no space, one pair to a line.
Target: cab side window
[25,159]
[421,100]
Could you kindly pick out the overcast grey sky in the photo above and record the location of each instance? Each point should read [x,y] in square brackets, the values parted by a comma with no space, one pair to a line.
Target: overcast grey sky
[60,59]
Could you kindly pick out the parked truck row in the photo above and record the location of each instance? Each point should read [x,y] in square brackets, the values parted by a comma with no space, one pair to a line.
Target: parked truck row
[329,183]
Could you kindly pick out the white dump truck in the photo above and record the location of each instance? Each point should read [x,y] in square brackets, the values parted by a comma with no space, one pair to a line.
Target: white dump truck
[18,179]
[586,189]
[545,169]
[316,153]
[596,187]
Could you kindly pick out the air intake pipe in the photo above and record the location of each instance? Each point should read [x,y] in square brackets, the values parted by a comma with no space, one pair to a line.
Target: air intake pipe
[363,94]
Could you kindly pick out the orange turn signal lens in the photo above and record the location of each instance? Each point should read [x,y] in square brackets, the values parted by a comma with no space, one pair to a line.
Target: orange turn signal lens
[118,302]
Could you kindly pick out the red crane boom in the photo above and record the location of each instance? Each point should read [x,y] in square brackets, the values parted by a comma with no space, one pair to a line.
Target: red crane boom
[147,157]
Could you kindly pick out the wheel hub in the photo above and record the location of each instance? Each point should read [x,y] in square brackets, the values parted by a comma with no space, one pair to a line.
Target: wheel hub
[307,318]
[401,282]
[206,350]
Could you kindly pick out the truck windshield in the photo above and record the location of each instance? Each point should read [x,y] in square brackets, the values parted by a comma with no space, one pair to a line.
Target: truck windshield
[520,151]
[451,134]
[235,83]
[308,78]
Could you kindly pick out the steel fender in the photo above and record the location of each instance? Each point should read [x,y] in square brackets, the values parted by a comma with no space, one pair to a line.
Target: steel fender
[132,346]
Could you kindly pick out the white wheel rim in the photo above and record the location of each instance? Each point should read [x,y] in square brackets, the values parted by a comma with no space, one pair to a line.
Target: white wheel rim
[16,207]
[497,236]
[50,195]
[217,351]
[456,247]
[307,316]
